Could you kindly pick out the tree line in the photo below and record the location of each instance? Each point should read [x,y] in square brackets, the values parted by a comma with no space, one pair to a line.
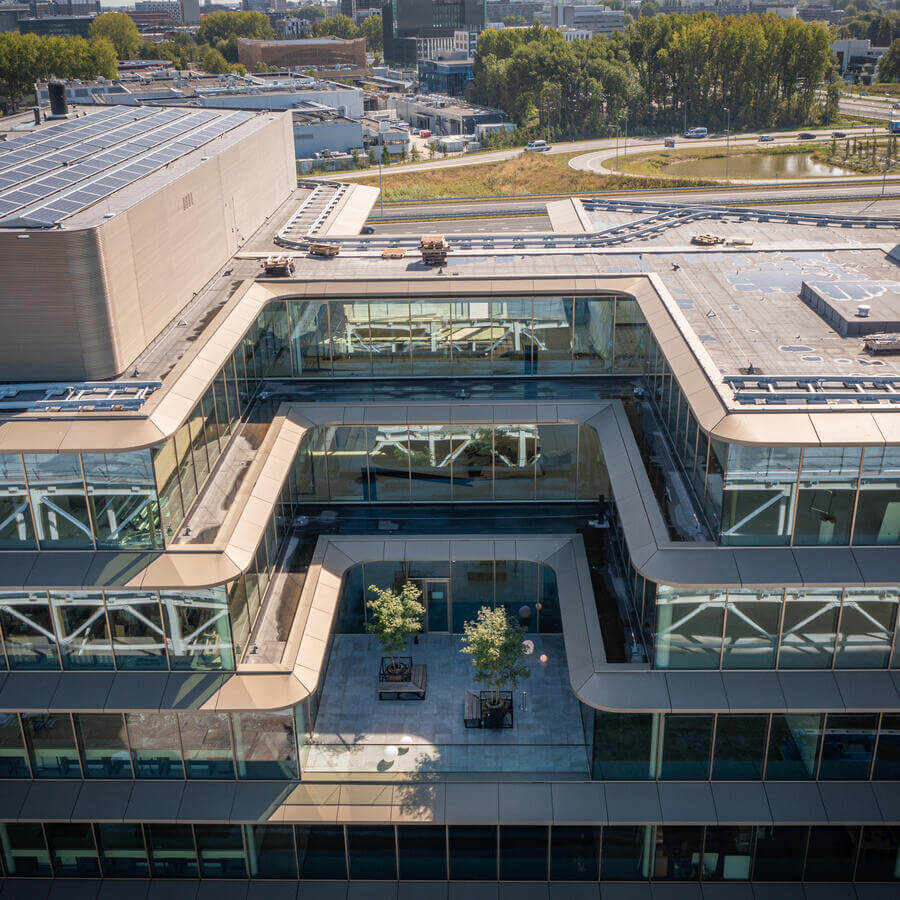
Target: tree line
[662,73]
[27,58]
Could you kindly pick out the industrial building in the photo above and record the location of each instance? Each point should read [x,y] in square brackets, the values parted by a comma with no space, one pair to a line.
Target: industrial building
[326,52]
[660,460]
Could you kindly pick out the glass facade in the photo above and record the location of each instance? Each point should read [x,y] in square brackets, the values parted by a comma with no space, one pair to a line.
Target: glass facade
[744,747]
[252,746]
[453,592]
[826,854]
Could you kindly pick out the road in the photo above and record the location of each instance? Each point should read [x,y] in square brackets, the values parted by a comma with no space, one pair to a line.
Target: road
[474,159]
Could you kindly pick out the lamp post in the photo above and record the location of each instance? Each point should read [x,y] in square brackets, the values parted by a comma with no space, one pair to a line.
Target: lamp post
[727,112]
[618,129]
[625,147]
[380,188]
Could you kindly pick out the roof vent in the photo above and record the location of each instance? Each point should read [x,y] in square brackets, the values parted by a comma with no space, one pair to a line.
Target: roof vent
[863,310]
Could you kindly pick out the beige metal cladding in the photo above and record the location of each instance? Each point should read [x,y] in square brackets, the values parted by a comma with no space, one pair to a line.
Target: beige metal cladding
[84,304]
[52,307]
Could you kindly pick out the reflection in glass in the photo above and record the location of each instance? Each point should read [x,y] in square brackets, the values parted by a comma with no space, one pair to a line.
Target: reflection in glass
[370,850]
[831,853]
[389,462]
[552,337]
[793,747]
[878,507]
[678,852]
[751,629]
[51,745]
[828,483]
[879,853]
[430,461]
[631,330]
[24,850]
[104,746]
[28,630]
[626,853]
[155,745]
[727,854]
[347,450]
[320,851]
[390,337]
[473,462]
[80,619]
[686,746]
[473,852]
[310,346]
[206,744]
[165,468]
[867,625]
[13,758]
[58,501]
[523,852]
[689,628]
[593,334]
[422,852]
[16,526]
[513,336]
[270,850]
[740,747]
[221,851]
[122,495]
[514,461]
[623,745]
[809,629]
[574,853]
[556,462]
[265,745]
[138,639]
[351,343]
[199,636]
[431,336]
[847,746]
[172,853]
[887,760]
[72,849]
[472,337]
[779,853]
[122,850]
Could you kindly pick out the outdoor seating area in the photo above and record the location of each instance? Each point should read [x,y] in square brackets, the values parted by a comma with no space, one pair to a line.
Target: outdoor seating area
[357,735]
[409,686]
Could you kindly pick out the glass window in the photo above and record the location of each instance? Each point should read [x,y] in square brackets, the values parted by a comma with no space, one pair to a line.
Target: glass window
[631,330]
[422,852]
[348,475]
[24,850]
[828,482]
[199,636]
[122,850]
[751,629]
[472,587]
[431,336]
[371,852]
[626,853]
[809,629]
[138,639]
[593,334]
[593,478]
[270,849]
[58,501]
[473,852]
[28,630]
[80,618]
[51,745]
[514,460]
[165,468]
[122,495]
[172,853]
[310,347]
[187,475]
[206,744]
[472,337]
[760,488]
[879,854]
[351,613]
[868,618]
[623,746]
[847,747]
[196,430]
[155,745]
[16,525]
[715,479]
[689,628]
[221,851]
[390,337]
[552,336]
[104,746]
[72,849]
[686,745]
[878,506]
[831,853]
[389,459]
[430,461]
[350,340]
[793,747]
[473,462]
[779,853]
[574,853]
[513,335]
[677,853]
[523,853]
[516,588]
[13,758]
[265,745]
[887,760]
[740,747]
[320,851]
[556,462]
[727,853]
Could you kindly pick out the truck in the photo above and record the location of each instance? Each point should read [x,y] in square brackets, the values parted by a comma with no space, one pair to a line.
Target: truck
[894,126]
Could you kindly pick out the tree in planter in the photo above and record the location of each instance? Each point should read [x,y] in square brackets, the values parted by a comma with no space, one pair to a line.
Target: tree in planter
[494,642]
[394,618]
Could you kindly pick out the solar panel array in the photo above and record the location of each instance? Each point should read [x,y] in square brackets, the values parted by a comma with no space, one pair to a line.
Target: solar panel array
[60,170]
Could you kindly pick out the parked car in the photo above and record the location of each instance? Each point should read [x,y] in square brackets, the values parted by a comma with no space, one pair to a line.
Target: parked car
[766,138]
[806,136]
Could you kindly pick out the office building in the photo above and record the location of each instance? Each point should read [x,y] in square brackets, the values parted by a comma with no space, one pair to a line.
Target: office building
[665,462]
[413,27]
[445,76]
[595,19]
[60,26]
[326,52]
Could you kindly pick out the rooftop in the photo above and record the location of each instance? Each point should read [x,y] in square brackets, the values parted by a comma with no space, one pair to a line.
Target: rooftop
[100,162]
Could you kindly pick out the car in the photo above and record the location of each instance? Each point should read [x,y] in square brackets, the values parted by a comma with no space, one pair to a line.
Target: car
[766,138]
[895,106]
[806,136]
[839,134]
[537,146]
[863,93]
[367,229]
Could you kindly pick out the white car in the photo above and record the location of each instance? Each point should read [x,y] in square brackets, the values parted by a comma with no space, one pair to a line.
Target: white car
[538,146]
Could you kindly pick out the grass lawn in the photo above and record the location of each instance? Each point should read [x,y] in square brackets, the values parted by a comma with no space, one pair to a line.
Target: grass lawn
[527,173]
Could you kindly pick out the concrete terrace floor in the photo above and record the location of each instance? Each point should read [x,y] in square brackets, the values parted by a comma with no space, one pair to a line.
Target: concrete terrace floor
[353,726]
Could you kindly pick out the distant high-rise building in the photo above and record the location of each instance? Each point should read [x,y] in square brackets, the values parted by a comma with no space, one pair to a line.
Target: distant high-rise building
[405,21]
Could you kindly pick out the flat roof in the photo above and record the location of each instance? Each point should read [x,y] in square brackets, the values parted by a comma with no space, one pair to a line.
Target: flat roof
[64,167]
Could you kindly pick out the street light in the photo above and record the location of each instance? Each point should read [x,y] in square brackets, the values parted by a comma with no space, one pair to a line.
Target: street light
[727,112]
[618,129]
[625,147]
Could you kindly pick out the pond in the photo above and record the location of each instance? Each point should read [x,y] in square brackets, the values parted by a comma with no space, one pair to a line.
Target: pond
[753,166]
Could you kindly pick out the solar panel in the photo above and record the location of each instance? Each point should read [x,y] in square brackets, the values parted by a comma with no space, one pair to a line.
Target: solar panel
[158,136]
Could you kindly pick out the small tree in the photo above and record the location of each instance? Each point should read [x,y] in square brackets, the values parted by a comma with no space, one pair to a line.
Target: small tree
[395,618]
[494,642]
